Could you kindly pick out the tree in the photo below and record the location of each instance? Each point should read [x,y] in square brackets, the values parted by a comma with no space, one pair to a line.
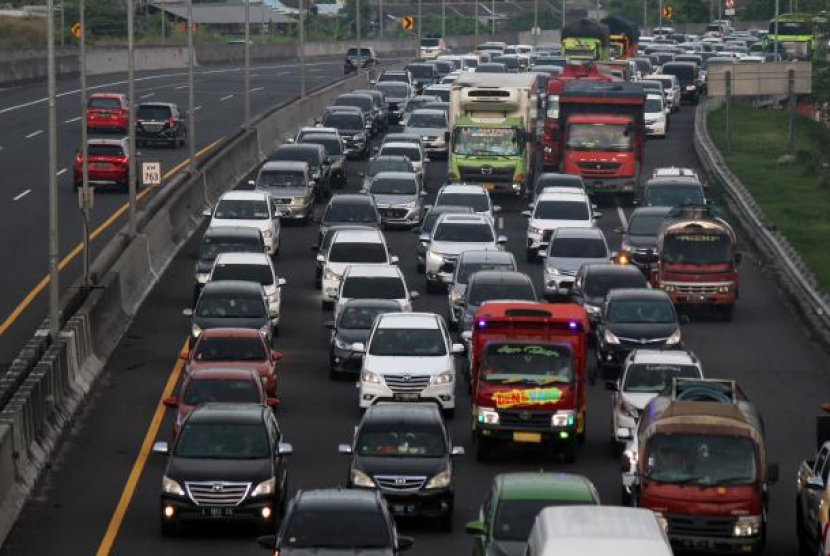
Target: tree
[347,15]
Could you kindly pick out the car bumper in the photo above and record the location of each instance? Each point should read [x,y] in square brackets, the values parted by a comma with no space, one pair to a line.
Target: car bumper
[110,125]
[444,394]
[656,129]
[162,135]
[423,503]
[558,284]
[293,212]
[249,511]
[400,216]
[346,362]
[716,545]
[526,436]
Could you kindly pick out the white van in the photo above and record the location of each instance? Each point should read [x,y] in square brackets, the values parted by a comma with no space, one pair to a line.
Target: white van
[596,530]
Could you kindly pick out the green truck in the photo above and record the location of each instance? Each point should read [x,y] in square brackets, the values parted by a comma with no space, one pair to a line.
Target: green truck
[796,35]
[586,39]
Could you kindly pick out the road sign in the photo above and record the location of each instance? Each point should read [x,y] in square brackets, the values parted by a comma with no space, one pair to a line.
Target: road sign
[151,173]
[76,30]
[407,22]
[729,11]
[668,12]
[729,4]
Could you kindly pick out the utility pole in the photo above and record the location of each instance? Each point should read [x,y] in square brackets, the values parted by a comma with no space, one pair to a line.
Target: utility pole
[357,33]
[63,23]
[444,19]
[163,26]
[131,120]
[645,15]
[247,97]
[535,22]
[476,18]
[775,40]
[380,19]
[302,49]
[86,199]
[493,19]
[791,113]
[563,14]
[191,100]
[418,47]
[728,111]
[660,9]
[54,292]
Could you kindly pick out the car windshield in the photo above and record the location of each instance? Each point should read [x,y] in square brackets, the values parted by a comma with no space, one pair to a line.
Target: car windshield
[645,224]
[636,311]
[413,153]
[104,103]
[561,210]
[110,151]
[335,529]
[259,273]
[211,247]
[465,233]
[654,105]
[393,186]
[348,252]
[230,349]
[223,391]
[416,103]
[393,89]
[698,248]
[479,202]
[343,120]
[331,144]
[154,113]
[408,342]
[422,71]
[360,318]
[578,248]
[429,42]
[350,212]
[486,141]
[651,378]
[515,518]
[311,156]
[465,270]
[517,363]
[364,104]
[599,137]
[599,284]
[222,441]
[375,287]
[230,306]
[388,165]
[427,120]
[233,209]
[480,292]
[674,195]
[272,179]
[401,441]
[701,459]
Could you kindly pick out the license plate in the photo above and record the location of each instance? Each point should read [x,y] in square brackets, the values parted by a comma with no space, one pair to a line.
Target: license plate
[104,114]
[406,397]
[217,512]
[533,437]
[489,186]
[402,509]
[101,165]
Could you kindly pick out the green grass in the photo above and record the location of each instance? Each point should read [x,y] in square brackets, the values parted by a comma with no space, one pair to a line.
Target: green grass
[794,197]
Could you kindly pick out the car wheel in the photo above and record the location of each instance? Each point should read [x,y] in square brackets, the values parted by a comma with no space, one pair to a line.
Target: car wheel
[569,451]
[169,527]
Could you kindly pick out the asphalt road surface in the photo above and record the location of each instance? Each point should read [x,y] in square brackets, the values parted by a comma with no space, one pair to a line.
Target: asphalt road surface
[101,493]
[24,161]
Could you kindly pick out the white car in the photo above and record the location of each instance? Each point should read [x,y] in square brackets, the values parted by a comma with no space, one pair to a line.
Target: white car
[431,48]
[441,91]
[350,247]
[452,235]
[563,207]
[414,151]
[469,62]
[569,249]
[645,372]
[254,209]
[467,195]
[674,172]
[374,282]
[408,357]
[252,267]
[317,130]
[657,123]
[671,86]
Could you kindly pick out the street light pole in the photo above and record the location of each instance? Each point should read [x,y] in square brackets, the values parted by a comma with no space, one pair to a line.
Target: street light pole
[380,19]
[775,40]
[131,120]
[493,19]
[563,14]
[63,24]
[247,97]
[191,96]
[444,19]
[419,27]
[302,49]
[535,21]
[476,18]
[357,34]
[54,292]
[85,202]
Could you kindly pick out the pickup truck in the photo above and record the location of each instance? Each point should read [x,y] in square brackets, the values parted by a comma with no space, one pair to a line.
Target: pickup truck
[813,496]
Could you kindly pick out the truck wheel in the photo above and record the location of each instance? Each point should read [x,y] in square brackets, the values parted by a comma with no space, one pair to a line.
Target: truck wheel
[484,447]
[569,451]
[726,312]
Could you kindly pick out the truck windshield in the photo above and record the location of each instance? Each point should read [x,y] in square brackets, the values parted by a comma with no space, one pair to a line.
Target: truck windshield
[508,363]
[651,378]
[697,249]
[486,141]
[599,137]
[791,28]
[700,459]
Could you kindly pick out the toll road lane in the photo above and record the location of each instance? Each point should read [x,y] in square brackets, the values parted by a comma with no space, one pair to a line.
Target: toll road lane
[765,349]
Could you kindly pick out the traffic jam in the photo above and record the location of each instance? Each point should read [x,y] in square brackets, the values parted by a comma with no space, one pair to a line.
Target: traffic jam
[437,149]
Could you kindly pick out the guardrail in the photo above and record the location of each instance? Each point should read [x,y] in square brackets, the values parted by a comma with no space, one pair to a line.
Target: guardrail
[797,277]
[49,380]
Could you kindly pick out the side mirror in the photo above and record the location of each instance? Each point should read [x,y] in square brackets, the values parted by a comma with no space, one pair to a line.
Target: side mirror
[405,543]
[414,295]
[276,356]
[772,474]
[161,448]
[330,324]
[171,401]
[458,349]
[501,240]
[285,449]
[251,183]
[457,451]
[394,259]
[321,259]
[207,212]
[272,402]
[187,312]
[475,528]
[281,282]
[612,386]
[358,347]
[737,258]
[344,448]
[267,541]
[496,209]
[526,213]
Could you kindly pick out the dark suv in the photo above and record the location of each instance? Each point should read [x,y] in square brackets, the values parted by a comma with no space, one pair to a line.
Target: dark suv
[404,451]
[316,158]
[336,521]
[161,122]
[368,58]
[229,462]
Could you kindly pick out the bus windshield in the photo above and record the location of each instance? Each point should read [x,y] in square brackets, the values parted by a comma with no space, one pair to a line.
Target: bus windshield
[697,249]
[486,141]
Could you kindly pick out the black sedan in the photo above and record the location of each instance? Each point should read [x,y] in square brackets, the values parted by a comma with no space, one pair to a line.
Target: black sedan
[353,324]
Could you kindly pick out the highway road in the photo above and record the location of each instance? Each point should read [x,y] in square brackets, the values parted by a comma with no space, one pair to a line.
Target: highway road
[24,159]
[101,494]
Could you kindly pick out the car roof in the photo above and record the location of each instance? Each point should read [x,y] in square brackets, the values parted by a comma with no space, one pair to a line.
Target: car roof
[232,287]
[429,111]
[637,293]
[650,211]
[462,188]
[656,97]
[398,144]
[107,95]
[401,136]
[450,209]
[301,146]
[246,232]
[230,333]
[396,175]
[690,181]
[157,104]
[544,486]
[285,165]
[597,529]
[421,321]
[369,235]
[561,194]
[233,258]
[397,412]
[390,304]
[667,356]
[611,268]
[499,277]
[389,158]
[337,500]
[248,413]
[115,142]
[238,195]
[213,373]
[555,176]
[583,233]
[439,87]
[351,199]
[460,218]
[373,271]
[486,255]
[320,130]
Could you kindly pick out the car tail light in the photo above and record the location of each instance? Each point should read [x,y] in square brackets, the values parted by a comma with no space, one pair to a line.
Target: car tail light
[171,122]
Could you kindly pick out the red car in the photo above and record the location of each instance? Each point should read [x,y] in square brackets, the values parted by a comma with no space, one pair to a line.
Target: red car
[107,112]
[217,386]
[109,163]
[238,348]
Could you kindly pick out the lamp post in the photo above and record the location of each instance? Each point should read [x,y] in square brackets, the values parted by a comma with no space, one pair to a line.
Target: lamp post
[191,95]
[85,199]
[247,97]
[133,225]
[302,48]
[54,292]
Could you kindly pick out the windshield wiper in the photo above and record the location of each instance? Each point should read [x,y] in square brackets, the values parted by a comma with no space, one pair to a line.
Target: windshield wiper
[728,481]
[686,481]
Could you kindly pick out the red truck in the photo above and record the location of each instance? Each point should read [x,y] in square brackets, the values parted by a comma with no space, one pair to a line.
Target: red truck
[602,131]
[699,461]
[698,259]
[589,71]
[527,376]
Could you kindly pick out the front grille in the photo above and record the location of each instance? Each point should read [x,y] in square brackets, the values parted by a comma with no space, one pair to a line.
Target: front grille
[486,173]
[598,168]
[693,526]
[393,212]
[641,341]
[526,419]
[400,483]
[694,289]
[406,384]
[217,493]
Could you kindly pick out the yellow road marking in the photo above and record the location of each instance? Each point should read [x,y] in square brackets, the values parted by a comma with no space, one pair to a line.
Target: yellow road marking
[23,305]
[140,461]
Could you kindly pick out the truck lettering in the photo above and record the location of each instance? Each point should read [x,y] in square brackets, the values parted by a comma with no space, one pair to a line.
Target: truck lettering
[535,396]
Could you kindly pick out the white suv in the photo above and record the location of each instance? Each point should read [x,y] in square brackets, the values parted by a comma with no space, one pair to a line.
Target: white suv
[563,207]
[645,372]
[467,195]
[251,209]
[373,281]
[452,235]
[348,247]
[409,357]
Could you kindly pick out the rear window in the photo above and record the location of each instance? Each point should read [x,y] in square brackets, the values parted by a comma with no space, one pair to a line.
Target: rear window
[153,113]
[331,144]
[414,154]
[105,150]
[363,52]
[104,103]
[393,186]
[477,201]
[428,120]
[230,349]
[350,213]
[348,252]
[481,292]
[578,248]
[223,391]
[343,120]
[599,284]
[250,272]
[393,89]
[212,246]
[361,287]
[281,179]
[429,42]
[311,156]
[422,71]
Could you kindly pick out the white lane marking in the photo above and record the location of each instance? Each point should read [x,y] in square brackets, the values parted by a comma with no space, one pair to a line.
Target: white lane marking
[21,195]
[255,89]
[61,172]
[197,108]
[501,222]
[180,87]
[254,75]
[72,120]
[284,73]
[34,134]
[621,214]
[223,99]
[148,95]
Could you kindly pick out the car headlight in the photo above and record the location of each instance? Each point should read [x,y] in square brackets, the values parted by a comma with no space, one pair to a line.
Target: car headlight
[487,416]
[410,204]
[272,297]
[331,275]
[370,377]
[563,418]
[196,330]
[593,309]
[534,231]
[265,488]
[361,479]
[267,234]
[674,339]
[445,377]
[435,258]
[169,486]
[441,480]
[340,344]
[668,288]
[724,289]
[629,410]
[610,337]
[553,271]
[747,526]
[297,200]
[202,277]
[661,519]
[690,88]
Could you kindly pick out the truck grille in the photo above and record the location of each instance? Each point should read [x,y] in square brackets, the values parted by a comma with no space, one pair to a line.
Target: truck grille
[636,342]
[694,289]
[598,168]
[392,212]
[703,526]
[400,483]
[217,493]
[406,384]
[525,419]
[485,173]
